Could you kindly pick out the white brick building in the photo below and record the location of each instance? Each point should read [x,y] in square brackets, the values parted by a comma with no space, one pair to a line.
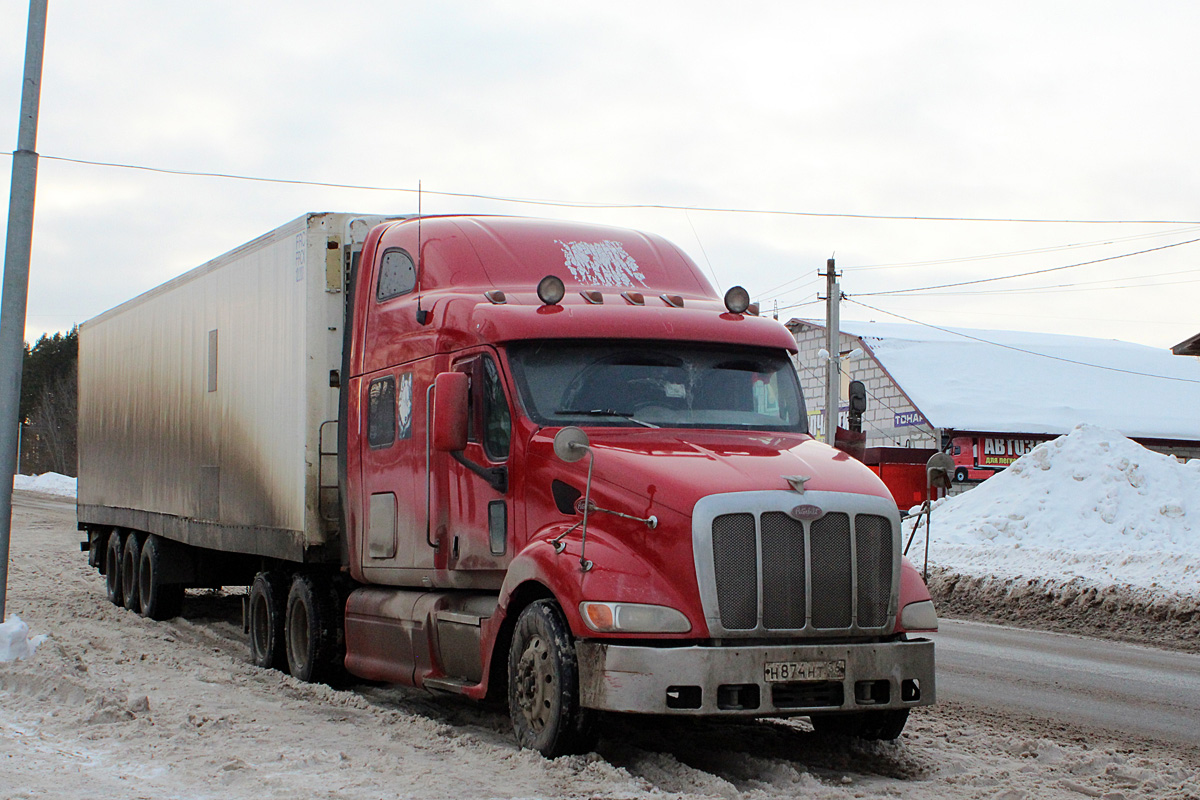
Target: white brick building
[926,386]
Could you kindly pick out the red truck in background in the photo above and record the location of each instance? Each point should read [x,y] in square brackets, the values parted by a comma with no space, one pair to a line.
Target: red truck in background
[977,458]
[526,460]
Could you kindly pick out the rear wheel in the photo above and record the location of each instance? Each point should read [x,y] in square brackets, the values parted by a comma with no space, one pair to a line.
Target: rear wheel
[159,600]
[313,629]
[131,557]
[877,725]
[112,568]
[543,685]
[268,606]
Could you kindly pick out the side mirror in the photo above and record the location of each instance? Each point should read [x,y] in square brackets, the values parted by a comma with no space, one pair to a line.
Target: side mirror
[858,397]
[938,470]
[450,391]
[570,444]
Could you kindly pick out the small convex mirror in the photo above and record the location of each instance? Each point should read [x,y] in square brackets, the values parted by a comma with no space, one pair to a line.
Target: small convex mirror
[570,444]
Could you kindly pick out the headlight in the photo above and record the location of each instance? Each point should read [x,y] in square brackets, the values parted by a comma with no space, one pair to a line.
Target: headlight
[919,617]
[633,618]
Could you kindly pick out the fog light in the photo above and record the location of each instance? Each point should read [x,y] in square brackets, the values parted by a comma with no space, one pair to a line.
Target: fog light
[737,300]
[550,290]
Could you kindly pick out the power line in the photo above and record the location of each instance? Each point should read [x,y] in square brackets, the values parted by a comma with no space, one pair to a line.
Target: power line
[1023,274]
[1019,349]
[1014,253]
[626,206]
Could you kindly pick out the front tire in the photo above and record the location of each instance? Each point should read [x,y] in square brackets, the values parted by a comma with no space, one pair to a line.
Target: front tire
[313,629]
[960,474]
[268,607]
[131,556]
[543,685]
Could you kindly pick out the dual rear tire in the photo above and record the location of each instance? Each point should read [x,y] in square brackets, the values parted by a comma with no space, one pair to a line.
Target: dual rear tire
[297,625]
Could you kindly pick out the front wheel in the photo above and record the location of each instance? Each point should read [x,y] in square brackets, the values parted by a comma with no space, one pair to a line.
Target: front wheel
[543,685]
[960,474]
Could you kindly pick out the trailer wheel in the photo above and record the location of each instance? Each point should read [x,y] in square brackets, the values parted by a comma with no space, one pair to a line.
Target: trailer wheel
[112,568]
[268,605]
[960,474]
[543,685]
[874,725]
[131,556]
[159,600]
[312,628]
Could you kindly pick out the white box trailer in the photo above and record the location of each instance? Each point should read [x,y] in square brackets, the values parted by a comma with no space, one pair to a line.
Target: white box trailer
[206,411]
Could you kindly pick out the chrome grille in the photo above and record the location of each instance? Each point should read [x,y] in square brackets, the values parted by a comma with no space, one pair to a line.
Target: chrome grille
[773,572]
[831,571]
[783,570]
[736,559]
[873,543]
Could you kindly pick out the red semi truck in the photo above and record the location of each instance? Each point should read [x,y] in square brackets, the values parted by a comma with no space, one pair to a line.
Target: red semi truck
[977,458]
[517,459]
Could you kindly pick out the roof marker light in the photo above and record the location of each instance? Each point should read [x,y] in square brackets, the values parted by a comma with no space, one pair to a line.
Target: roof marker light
[593,297]
[496,297]
[550,290]
[634,298]
[737,300]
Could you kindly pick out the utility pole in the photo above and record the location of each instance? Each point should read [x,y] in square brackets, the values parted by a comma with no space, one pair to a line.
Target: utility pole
[833,345]
[16,274]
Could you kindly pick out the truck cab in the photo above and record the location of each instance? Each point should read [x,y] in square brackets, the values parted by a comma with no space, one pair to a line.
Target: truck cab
[702,555]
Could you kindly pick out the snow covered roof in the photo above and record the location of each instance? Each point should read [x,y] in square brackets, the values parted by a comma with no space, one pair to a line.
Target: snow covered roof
[1014,382]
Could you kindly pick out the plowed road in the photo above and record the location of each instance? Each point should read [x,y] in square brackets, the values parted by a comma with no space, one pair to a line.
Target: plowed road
[1072,679]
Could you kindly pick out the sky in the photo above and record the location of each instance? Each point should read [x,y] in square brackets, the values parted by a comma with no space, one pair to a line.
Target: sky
[830,115]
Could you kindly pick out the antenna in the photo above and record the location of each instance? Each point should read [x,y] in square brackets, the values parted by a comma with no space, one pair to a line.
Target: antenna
[422,315]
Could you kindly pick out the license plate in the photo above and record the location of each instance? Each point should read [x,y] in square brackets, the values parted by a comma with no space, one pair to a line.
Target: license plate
[785,671]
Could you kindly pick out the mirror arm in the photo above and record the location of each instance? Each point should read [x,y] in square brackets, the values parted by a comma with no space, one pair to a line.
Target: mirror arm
[496,477]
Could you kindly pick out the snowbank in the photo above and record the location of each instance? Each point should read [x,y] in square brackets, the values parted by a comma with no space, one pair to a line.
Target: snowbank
[1090,505]
[47,483]
[15,641]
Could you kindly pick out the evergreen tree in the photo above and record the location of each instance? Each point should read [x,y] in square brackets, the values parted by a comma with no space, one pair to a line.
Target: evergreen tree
[49,397]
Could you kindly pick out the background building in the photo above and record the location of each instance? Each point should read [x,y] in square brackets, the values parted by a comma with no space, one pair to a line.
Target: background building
[993,395]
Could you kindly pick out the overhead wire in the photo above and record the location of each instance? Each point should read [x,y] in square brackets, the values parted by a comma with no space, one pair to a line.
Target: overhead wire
[600,205]
[1024,274]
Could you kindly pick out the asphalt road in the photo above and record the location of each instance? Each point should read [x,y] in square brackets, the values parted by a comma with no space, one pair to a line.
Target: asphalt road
[1124,689]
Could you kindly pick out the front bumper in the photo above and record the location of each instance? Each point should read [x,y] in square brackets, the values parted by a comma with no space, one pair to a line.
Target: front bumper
[731,680]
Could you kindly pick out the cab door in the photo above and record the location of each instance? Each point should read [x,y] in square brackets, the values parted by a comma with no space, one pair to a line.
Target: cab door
[479,496]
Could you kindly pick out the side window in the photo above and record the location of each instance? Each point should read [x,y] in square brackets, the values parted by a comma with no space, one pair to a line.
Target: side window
[381,412]
[497,423]
[397,275]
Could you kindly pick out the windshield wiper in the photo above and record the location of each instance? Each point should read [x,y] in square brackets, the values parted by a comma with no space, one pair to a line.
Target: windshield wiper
[603,412]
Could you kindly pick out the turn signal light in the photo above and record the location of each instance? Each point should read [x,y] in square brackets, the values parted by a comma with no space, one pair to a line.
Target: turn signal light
[633,618]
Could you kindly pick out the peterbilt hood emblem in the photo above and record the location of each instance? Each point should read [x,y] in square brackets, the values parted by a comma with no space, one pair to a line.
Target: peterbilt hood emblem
[797,482]
[807,512]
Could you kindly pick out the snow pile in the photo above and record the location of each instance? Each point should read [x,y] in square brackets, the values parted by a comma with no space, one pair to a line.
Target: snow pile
[47,483]
[15,641]
[1090,505]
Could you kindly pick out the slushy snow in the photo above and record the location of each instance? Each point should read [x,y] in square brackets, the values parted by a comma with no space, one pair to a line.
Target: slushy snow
[1089,505]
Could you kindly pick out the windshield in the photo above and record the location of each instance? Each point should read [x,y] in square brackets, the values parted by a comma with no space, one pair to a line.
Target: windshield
[658,385]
